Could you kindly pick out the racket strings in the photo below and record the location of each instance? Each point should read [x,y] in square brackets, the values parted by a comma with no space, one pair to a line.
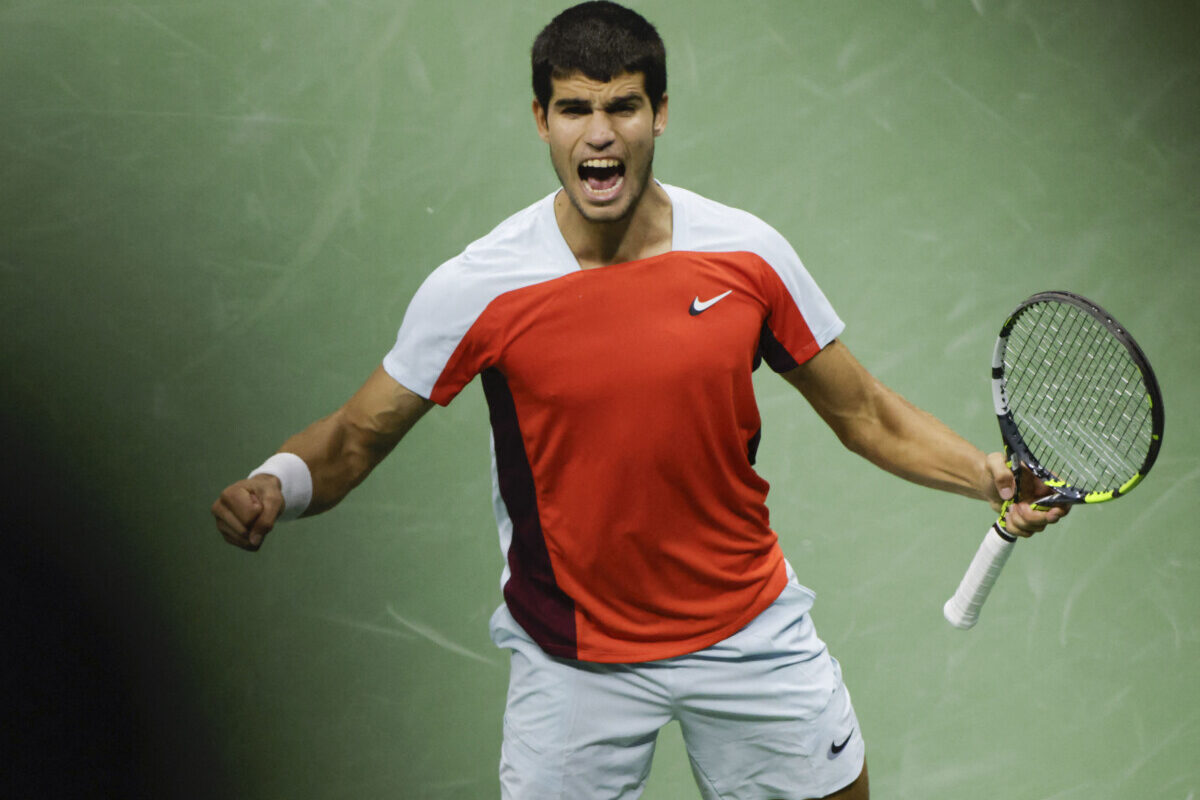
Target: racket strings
[1076,368]
[1077,397]
[1097,359]
[1036,397]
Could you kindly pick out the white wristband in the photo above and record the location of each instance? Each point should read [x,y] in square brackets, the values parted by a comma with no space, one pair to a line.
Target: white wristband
[294,479]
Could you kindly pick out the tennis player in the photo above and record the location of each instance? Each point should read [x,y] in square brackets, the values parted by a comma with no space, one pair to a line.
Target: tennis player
[615,325]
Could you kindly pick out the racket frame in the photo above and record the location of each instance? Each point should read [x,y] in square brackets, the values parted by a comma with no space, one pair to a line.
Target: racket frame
[1019,453]
[963,607]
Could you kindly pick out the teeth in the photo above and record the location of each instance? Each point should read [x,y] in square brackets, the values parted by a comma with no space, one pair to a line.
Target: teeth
[601,163]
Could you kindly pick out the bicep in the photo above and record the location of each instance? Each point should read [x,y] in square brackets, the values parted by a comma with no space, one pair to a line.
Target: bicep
[838,388]
[382,411]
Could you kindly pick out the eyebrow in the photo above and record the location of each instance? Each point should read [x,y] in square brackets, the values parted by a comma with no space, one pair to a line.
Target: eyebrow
[633,98]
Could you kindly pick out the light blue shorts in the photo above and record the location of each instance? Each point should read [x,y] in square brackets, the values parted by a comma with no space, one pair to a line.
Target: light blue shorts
[764,714]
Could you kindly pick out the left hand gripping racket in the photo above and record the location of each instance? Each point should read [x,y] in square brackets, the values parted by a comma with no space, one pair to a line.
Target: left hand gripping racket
[1079,408]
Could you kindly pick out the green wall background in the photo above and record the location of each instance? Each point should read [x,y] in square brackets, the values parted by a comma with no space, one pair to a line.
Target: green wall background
[212,216]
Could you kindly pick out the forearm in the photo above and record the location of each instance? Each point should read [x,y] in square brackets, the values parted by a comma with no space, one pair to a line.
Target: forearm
[337,456]
[899,437]
[317,467]
[342,449]
[883,427]
[887,430]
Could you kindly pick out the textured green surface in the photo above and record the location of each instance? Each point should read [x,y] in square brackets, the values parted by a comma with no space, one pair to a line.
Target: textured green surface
[212,216]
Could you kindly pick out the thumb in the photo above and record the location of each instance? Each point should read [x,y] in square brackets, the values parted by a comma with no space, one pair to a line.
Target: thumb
[1002,476]
[270,505]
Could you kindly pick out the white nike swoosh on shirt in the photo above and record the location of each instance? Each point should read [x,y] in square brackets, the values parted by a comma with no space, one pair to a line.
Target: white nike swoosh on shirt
[698,306]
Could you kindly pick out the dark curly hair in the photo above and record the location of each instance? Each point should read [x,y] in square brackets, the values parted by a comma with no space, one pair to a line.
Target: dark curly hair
[602,40]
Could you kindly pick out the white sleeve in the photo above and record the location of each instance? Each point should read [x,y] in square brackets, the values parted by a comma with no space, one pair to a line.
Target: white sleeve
[822,320]
[436,320]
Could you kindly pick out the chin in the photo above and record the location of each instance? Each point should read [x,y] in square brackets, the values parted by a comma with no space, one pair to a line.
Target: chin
[607,212]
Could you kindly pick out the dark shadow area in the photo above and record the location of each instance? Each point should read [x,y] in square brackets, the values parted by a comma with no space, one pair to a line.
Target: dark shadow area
[96,702]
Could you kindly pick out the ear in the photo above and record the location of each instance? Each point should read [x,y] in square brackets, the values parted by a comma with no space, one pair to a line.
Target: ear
[660,117]
[539,118]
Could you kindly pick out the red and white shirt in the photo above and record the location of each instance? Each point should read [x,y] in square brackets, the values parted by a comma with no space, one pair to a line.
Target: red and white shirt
[624,424]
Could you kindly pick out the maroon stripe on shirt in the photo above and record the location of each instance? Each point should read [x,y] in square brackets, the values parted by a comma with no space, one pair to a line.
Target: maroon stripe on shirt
[532,594]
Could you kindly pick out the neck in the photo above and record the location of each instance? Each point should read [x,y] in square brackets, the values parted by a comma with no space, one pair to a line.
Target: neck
[642,233]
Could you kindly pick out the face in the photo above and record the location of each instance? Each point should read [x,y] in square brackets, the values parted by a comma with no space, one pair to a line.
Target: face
[601,136]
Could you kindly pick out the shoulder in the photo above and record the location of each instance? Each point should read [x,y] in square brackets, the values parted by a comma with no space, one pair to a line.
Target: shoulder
[518,251]
[513,240]
[712,227]
[709,225]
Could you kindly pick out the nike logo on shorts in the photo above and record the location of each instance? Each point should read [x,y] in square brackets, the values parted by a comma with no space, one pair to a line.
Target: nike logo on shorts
[700,307]
[836,749]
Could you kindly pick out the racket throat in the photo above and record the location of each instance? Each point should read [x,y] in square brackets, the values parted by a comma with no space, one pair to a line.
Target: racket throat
[1001,524]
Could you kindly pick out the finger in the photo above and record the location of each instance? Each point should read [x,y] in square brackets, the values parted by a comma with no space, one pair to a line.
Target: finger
[236,511]
[1025,520]
[1017,521]
[238,540]
[231,528]
[243,502]
[227,519]
[271,505]
[236,536]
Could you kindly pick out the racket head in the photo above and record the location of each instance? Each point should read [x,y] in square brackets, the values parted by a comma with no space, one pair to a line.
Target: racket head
[1076,398]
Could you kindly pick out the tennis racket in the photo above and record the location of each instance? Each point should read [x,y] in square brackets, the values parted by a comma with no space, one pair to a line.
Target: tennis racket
[1079,409]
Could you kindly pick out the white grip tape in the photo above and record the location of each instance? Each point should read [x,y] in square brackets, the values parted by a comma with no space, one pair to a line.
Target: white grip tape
[962,610]
[295,481]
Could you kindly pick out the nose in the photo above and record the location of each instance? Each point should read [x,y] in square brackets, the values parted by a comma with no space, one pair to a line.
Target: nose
[599,131]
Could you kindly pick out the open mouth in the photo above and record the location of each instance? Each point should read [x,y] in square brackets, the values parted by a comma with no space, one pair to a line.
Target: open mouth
[603,177]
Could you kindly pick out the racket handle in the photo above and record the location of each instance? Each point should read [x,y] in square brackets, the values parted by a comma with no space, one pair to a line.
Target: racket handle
[962,610]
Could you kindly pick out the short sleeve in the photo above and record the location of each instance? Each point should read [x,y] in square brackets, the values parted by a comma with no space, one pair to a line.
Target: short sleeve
[800,319]
[432,332]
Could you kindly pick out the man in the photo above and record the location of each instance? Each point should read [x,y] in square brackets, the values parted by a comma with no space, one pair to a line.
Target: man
[615,325]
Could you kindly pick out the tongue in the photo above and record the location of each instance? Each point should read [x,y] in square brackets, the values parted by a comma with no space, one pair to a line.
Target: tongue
[602,184]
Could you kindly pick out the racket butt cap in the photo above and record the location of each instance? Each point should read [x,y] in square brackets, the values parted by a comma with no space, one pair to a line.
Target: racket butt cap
[958,617]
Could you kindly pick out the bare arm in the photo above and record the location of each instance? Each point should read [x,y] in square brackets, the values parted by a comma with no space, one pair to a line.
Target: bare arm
[880,425]
[339,450]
